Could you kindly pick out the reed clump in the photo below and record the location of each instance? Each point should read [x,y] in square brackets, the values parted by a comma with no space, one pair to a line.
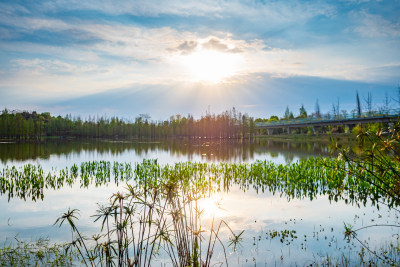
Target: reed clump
[376,160]
[149,221]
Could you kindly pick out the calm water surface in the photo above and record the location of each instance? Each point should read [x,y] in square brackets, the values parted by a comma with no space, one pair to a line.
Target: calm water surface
[318,223]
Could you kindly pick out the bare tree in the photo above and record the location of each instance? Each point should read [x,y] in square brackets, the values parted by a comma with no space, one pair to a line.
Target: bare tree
[335,109]
[398,94]
[386,103]
[396,98]
[344,113]
[317,110]
[368,103]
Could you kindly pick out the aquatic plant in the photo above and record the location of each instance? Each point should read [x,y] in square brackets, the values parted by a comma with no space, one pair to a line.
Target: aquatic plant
[334,177]
[143,222]
[35,253]
[377,160]
[375,164]
[159,211]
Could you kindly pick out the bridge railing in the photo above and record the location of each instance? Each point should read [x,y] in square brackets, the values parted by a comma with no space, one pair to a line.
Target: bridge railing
[331,118]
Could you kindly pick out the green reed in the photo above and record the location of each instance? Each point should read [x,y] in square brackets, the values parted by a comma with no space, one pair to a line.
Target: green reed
[303,179]
[144,221]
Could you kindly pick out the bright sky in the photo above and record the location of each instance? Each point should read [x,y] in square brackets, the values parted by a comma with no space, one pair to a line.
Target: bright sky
[168,57]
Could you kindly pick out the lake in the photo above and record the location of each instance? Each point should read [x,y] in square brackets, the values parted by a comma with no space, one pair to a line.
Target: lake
[317,225]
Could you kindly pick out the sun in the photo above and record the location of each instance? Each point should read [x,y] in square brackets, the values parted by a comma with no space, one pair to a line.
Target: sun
[211,206]
[210,66]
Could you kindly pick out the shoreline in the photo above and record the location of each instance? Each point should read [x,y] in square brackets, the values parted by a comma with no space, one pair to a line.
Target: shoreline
[325,138]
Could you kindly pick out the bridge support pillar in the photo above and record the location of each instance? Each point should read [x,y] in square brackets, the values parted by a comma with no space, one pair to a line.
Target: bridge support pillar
[316,129]
[270,131]
[350,126]
[289,131]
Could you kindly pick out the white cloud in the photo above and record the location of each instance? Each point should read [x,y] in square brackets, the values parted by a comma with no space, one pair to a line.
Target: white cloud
[375,26]
[140,43]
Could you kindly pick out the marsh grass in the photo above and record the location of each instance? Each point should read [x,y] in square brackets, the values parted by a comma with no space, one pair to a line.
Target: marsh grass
[385,255]
[35,253]
[309,178]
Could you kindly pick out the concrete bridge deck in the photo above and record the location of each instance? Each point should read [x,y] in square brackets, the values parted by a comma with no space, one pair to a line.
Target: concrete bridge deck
[350,121]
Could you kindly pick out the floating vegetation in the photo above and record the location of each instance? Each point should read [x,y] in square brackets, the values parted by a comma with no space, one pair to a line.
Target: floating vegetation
[36,253]
[283,235]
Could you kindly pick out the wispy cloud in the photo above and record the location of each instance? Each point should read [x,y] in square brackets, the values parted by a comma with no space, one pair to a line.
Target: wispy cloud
[375,26]
[291,10]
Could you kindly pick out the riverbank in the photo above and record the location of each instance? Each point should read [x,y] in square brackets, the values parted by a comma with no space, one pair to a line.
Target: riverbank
[339,137]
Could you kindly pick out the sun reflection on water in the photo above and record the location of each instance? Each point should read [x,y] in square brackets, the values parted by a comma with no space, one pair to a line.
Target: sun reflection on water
[211,207]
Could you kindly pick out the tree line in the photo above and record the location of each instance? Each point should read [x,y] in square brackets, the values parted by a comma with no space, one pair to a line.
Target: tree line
[361,109]
[230,124]
[34,126]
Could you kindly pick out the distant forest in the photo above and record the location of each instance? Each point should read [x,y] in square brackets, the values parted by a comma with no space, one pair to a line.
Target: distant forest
[231,124]
[34,126]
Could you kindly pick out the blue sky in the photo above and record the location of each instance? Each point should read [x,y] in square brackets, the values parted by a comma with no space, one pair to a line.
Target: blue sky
[178,57]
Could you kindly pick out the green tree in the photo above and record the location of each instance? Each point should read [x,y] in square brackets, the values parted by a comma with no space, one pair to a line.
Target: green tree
[273,118]
[303,112]
[286,116]
[359,111]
